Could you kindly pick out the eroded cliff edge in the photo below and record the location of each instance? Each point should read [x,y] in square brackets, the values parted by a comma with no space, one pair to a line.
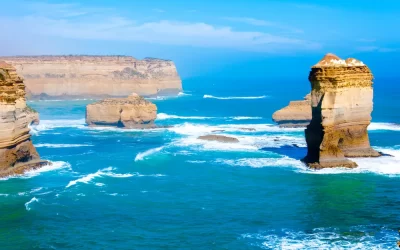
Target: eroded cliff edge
[71,77]
[342,102]
[17,153]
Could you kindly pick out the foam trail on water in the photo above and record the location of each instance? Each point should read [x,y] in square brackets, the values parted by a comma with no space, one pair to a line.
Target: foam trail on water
[142,155]
[384,126]
[55,165]
[34,199]
[49,145]
[103,172]
[245,118]
[262,162]
[163,116]
[53,124]
[235,97]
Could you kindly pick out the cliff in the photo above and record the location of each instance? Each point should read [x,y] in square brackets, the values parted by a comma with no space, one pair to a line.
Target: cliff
[341,101]
[17,154]
[131,112]
[296,114]
[65,77]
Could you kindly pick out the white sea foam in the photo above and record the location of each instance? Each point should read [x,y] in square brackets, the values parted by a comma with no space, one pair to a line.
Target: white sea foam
[53,124]
[183,94]
[34,199]
[163,116]
[324,239]
[55,165]
[141,156]
[100,173]
[263,162]
[245,117]
[196,162]
[36,190]
[99,184]
[5,195]
[384,126]
[235,97]
[49,145]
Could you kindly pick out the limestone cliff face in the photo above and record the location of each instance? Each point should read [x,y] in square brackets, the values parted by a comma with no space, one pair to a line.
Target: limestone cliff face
[341,101]
[131,112]
[17,154]
[296,114]
[64,77]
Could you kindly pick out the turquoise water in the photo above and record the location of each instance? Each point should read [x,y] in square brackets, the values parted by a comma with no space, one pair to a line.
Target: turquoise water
[164,189]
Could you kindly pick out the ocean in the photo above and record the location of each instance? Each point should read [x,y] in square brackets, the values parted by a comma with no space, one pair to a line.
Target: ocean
[111,188]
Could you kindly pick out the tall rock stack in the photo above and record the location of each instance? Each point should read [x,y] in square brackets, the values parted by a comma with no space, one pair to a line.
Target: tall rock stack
[17,154]
[296,114]
[341,101]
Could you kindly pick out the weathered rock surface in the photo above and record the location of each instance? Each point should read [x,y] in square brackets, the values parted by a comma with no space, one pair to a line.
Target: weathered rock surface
[32,116]
[219,138]
[296,114]
[131,112]
[341,101]
[17,154]
[71,77]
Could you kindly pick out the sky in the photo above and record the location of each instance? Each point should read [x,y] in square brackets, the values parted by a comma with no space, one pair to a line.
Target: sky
[235,38]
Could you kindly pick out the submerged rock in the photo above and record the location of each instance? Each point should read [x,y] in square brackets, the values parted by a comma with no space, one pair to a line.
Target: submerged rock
[296,114]
[17,153]
[341,100]
[219,138]
[131,112]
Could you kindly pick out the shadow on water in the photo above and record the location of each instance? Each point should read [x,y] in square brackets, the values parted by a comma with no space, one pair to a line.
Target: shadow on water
[293,151]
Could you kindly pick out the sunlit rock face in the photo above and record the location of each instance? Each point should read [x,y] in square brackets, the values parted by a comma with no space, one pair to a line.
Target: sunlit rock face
[296,114]
[341,102]
[71,77]
[17,154]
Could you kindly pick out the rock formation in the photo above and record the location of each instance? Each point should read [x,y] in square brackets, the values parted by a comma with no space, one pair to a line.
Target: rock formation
[341,101]
[71,77]
[17,154]
[131,112]
[219,138]
[296,114]
[32,116]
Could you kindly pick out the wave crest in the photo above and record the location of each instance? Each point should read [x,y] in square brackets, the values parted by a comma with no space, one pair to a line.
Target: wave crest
[141,156]
[234,97]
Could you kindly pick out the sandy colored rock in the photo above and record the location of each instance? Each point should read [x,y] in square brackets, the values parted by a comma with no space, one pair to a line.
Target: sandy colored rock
[219,138]
[296,114]
[17,154]
[71,77]
[131,112]
[32,116]
[341,101]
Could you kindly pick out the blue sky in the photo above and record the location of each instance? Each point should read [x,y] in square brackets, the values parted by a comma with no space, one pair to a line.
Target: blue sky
[208,36]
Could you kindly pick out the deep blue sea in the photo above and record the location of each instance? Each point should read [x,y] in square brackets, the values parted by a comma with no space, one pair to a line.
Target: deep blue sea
[111,188]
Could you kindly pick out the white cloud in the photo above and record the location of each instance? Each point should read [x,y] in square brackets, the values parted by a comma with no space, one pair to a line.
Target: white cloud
[91,24]
[376,49]
[258,22]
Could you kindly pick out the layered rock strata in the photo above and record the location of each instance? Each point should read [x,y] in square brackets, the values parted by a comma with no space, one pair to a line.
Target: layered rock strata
[131,112]
[341,101]
[296,114]
[17,153]
[71,77]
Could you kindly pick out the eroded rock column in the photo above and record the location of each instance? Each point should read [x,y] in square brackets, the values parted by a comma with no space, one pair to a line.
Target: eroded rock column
[341,101]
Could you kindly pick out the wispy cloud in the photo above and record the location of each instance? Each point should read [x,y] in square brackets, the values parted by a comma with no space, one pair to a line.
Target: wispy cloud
[258,22]
[159,10]
[88,24]
[365,40]
[376,49]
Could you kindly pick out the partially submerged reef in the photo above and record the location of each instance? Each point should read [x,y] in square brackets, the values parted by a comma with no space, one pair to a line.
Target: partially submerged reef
[341,102]
[17,153]
[133,112]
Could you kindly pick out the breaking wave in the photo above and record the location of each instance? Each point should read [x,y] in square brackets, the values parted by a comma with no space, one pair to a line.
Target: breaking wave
[103,172]
[263,162]
[53,124]
[164,116]
[141,156]
[384,126]
[235,97]
[359,237]
[49,145]
[55,165]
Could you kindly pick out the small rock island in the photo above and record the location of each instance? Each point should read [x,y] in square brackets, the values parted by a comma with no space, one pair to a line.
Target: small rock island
[131,112]
[341,101]
[296,114]
[17,153]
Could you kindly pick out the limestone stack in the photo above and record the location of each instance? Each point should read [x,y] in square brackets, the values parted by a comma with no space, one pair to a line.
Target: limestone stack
[17,154]
[296,114]
[71,77]
[341,101]
[131,112]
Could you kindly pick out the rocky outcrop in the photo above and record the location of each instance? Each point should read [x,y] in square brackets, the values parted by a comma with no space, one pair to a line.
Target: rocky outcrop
[71,77]
[17,154]
[341,101]
[131,112]
[32,116]
[218,138]
[296,114]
